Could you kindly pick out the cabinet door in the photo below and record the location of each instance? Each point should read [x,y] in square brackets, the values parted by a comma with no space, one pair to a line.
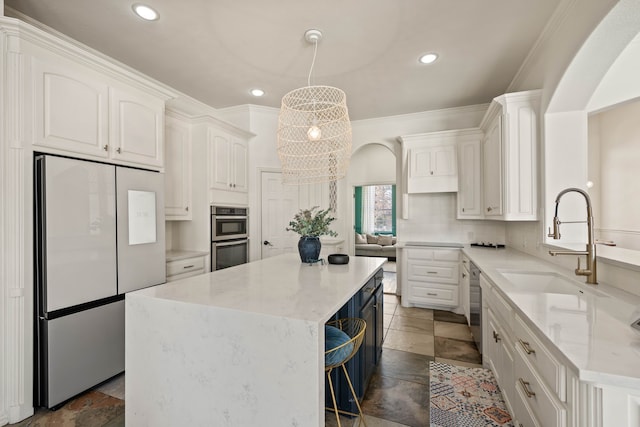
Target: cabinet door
[220,160]
[368,348]
[239,166]
[493,179]
[137,122]
[70,109]
[177,170]
[379,296]
[470,172]
[432,169]
[464,292]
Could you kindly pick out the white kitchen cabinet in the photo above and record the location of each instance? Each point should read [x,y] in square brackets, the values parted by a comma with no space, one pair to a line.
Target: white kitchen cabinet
[80,109]
[497,340]
[430,162]
[430,277]
[136,126]
[181,265]
[510,157]
[228,159]
[177,170]
[470,176]
[465,285]
[70,108]
[532,379]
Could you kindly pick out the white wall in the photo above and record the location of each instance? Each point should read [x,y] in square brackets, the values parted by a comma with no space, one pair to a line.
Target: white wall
[568,64]
[372,164]
[617,137]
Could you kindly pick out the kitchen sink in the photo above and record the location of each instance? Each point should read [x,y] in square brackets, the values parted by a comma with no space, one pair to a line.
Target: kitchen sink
[545,282]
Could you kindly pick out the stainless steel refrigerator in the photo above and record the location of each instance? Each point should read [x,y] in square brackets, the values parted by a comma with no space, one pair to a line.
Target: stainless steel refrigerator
[99,233]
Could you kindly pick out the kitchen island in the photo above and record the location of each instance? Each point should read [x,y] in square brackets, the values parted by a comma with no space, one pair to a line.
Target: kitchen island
[243,346]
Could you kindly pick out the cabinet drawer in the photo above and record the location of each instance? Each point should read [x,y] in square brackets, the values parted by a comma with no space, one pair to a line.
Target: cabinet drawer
[186,265]
[543,403]
[550,370]
[433,254]
[439,295]
[432,272]
[452,255]
[522,411]
[501,307]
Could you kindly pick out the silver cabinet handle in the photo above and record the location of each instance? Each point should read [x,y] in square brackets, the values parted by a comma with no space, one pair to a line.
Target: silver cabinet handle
[496,336]
[105,147]
[526,346]
[119,150]
[431,294]
[432,272]
[489,209]
[187,209]
[464,275]
[188,266]
[525,386]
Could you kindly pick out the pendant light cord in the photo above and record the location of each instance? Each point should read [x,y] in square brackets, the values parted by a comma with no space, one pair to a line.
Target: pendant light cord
[315,51]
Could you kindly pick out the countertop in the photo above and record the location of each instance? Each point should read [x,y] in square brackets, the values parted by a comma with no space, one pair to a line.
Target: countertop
[592,331]
[279,286]
[429,244]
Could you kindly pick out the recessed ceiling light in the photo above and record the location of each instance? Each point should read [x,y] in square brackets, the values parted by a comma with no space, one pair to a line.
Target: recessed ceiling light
[428,58]
[145,12]
[257,92]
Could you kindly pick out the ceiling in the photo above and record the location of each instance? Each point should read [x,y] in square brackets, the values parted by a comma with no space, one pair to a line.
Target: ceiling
[217,50]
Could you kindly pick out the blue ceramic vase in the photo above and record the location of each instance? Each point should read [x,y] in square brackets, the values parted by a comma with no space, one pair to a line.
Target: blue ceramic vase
[309,248]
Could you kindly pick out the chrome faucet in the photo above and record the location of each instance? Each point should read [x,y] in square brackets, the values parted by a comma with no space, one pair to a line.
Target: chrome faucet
[590,272]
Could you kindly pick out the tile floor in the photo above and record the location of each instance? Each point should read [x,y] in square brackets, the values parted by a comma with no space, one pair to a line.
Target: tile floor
[398,395]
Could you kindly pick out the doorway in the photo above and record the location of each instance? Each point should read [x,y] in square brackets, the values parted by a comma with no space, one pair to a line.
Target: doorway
[279,204]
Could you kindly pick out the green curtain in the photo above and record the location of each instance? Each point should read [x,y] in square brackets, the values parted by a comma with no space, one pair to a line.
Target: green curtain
[358,208]
[358,202]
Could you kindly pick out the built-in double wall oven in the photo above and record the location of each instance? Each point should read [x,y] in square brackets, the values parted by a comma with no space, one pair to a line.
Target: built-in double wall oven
[229,236]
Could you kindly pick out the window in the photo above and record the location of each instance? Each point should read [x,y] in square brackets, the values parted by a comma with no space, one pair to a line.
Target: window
[375,209]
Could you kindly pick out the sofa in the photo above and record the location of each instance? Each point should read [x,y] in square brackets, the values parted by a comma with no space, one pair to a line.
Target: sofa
[378,246]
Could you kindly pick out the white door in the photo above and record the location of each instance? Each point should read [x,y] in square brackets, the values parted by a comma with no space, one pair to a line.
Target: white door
[279,205]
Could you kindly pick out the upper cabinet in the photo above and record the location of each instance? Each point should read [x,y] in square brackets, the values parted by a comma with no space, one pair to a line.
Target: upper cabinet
[228,161]
[136,131]
[71,108]
[430,162]
[79,104]
[470,174]
[510,153]
[178,169]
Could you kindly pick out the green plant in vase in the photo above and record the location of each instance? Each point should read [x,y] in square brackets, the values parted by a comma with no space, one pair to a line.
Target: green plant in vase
[310,224]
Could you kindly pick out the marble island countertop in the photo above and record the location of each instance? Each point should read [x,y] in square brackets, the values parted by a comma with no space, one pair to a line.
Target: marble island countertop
[278,286]
[591,329]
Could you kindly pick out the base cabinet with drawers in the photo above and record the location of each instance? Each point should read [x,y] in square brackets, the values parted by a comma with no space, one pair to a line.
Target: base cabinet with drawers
[532,379]
[181,265]
[430,277]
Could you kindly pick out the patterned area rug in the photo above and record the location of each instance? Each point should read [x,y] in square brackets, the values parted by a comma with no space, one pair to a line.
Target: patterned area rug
[466,397]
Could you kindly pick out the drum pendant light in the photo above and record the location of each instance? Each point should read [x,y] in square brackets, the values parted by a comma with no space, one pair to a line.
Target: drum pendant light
[314,131]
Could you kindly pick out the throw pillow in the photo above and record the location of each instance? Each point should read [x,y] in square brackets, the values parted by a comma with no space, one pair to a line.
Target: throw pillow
[361,239]
[385,240]
[372,239]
